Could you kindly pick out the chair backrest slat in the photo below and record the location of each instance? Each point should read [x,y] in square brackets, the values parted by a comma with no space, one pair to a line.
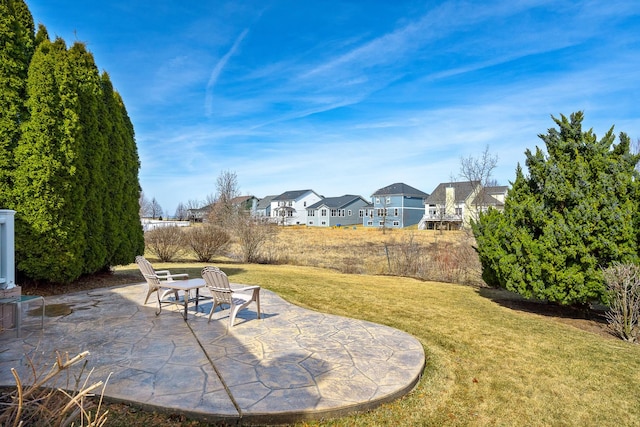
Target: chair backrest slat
[218,284]
[145,266]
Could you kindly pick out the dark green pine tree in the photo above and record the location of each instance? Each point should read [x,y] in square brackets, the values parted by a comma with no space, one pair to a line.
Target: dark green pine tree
[574,214]
[93,154]
[125,238]
[50,177]
[16,50]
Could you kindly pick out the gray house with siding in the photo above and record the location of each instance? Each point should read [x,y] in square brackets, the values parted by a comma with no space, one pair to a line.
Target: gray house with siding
[263,209]
[396,206]
[337,211]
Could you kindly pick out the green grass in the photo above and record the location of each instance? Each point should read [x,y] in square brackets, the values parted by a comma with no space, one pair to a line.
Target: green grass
[486,364]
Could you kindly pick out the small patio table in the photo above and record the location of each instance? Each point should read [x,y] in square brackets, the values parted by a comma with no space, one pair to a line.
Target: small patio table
[186,286]
[17,314]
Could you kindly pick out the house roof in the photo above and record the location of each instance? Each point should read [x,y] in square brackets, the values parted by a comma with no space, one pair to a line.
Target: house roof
[241,199]
[500,189]
[486,199]
[337,202]
[462,191]
[292,195]
[265,202]
[399,188]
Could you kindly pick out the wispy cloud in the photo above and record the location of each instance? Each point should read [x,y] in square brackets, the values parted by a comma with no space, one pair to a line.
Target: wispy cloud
[217,70]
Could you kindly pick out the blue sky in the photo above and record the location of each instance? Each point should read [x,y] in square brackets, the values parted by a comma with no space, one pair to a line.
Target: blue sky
[345,97]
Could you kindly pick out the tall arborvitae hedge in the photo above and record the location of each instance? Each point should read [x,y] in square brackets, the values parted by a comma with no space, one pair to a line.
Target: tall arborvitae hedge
[16,49]
[122,218]
[94,155]
[70,163]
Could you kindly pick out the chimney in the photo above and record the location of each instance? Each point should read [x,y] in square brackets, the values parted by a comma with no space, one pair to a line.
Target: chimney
[450,199]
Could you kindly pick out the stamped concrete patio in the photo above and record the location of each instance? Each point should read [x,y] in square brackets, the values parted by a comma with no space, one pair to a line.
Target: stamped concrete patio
[292,365]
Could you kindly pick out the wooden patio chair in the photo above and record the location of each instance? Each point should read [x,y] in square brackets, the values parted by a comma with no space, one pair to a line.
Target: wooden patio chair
[218,284]
[155,285]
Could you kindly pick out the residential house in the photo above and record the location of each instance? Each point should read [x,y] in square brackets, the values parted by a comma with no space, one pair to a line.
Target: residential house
[290,208]
[395,206]
[453,205]
[337,211]
[246,203]
[198,214]
[263,209]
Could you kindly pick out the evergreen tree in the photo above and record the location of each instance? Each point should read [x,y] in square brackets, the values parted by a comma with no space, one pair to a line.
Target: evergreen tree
[16,49]
[68,158]
[50,173]
[574,214]
[94,155]
[134,243]
[124,230]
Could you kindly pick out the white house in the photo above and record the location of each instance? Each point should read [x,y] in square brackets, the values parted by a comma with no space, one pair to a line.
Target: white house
[290,207]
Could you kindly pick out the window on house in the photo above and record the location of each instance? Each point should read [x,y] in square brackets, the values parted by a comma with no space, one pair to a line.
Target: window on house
[370,213]
[361,213]
[369,222]
[380,212]
[324,222]
[458,211]
[323,212]
[396,223]
[388,200]
[311,212]
[289,203]
[377,200]
[290,213]
[381,223]
[310,222]
[334,212]
[349,213]
[305,204]
[396,212]
[342,212]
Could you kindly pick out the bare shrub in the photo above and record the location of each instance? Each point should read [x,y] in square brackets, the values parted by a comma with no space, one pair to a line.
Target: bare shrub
[206,241]
[405,258]
[453,263]
[46,403]
[164,242]
[252,233]
[623,285]
[442,261]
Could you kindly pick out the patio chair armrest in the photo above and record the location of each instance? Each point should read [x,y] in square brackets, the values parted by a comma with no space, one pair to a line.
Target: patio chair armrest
[162,272]
[172,276]
[245,288]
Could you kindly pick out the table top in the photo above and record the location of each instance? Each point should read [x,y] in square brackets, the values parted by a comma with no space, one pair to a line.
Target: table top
[185,285]
[19,298]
